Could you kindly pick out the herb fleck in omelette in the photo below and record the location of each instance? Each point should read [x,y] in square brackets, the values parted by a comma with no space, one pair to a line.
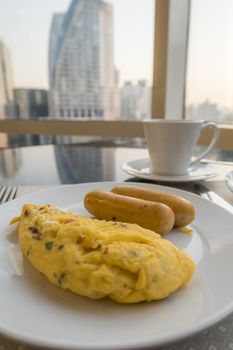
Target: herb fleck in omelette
[98,259]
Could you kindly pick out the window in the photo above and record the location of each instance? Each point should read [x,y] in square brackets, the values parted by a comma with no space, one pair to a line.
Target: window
[209,93]
[170,62]
[70,47]
[111,70]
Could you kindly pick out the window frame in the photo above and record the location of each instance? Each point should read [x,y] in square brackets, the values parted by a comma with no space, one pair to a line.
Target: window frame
[113,128]
[168,91]
[172,19]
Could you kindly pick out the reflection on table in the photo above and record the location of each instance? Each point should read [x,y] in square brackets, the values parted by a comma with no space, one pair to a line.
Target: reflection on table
[64,164]
[78,163]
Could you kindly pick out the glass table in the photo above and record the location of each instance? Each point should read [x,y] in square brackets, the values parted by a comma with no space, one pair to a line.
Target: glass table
[41,167]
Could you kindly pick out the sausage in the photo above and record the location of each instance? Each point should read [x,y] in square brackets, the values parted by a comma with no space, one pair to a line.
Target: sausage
[183,209]
[157,217]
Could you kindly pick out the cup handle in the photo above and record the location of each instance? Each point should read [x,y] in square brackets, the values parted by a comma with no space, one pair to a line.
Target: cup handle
[212,143]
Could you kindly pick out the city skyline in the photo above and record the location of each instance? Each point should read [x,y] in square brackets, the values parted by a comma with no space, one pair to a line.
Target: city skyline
[135,99]
[29,45]
[33,20]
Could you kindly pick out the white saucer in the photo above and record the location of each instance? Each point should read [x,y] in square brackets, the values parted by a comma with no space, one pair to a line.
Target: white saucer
[141,168]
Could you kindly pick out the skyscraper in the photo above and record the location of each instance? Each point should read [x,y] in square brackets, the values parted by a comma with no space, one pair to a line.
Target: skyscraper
[6,83]
[82,76]
[135,100]
[6,87]
[31,103]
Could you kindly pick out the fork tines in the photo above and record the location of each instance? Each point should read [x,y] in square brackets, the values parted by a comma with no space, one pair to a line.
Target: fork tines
[7,193]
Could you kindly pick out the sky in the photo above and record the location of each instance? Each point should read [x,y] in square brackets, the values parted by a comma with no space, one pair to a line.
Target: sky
[210,57]
[25,26]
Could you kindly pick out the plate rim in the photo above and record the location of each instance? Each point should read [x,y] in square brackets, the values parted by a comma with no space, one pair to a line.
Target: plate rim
[127,168]
[173,337]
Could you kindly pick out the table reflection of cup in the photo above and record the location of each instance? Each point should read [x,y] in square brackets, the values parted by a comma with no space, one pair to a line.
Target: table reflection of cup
[171,144]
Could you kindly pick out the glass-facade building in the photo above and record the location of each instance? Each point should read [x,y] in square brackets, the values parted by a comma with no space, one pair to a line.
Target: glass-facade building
[82,76]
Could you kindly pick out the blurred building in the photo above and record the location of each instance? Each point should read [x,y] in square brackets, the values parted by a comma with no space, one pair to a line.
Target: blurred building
[10,162]
[6,81]
[29,104]
[135,100]
[82,77]
[6,88]
[69,159]
[206,111]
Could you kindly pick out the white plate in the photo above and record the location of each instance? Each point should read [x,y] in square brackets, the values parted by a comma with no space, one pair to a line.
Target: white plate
[141,168]
[36,312]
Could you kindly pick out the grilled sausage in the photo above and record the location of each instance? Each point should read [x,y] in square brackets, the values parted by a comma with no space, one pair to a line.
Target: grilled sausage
[157,217]
[183,209]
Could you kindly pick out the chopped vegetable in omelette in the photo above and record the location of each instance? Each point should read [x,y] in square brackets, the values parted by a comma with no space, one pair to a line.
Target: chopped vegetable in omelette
[98,259]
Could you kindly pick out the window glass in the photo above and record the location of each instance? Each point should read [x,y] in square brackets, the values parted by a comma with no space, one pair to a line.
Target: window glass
[76,59]
[209,85]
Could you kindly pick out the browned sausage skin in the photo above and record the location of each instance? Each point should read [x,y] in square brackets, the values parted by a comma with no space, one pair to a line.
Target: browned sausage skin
[183,209]
[110,206]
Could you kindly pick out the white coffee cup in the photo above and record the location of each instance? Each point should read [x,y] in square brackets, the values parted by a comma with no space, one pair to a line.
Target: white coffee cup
[171,144]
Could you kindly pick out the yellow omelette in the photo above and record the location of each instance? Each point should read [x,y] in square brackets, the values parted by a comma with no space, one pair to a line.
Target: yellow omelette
[98,259]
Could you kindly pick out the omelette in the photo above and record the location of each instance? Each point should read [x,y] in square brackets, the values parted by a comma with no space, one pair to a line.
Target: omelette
[98,259]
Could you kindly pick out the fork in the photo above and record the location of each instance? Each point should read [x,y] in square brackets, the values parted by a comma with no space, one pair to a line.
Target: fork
[7,193]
